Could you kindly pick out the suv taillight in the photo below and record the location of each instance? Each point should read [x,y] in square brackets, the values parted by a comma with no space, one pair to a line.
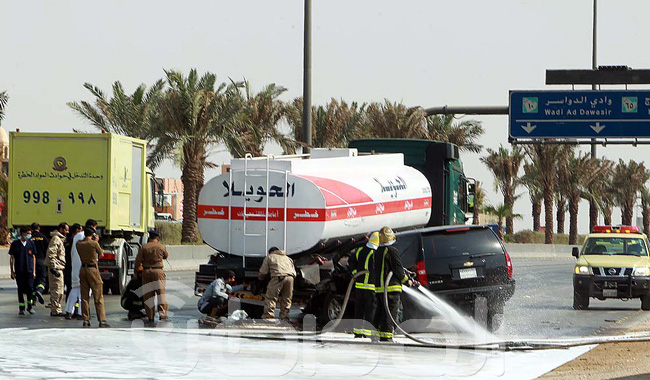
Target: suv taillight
[421,271]
[508,264]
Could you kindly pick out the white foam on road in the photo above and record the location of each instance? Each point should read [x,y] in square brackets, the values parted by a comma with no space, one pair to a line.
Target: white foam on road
[141,353]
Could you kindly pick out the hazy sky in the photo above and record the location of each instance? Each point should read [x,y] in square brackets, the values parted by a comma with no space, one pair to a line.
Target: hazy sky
[426,53]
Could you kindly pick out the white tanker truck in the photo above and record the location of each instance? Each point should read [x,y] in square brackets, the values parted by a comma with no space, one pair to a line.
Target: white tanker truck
[321,206]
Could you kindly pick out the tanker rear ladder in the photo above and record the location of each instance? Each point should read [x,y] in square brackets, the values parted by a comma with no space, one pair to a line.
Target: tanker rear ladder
[246,215]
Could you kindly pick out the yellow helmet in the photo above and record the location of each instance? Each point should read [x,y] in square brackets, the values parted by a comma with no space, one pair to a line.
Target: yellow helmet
[386,236]
[374,239]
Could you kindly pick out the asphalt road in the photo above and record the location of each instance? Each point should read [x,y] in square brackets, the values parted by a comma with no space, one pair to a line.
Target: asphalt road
[540,308]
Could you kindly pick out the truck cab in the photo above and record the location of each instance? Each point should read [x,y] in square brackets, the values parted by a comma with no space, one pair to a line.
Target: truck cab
[614,262]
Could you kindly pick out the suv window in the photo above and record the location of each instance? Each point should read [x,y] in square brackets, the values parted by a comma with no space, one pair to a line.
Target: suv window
[615,246]
[462,243]
[409,249]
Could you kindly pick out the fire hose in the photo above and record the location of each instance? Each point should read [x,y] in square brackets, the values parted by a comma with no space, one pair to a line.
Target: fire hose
[511,345]
[497,345]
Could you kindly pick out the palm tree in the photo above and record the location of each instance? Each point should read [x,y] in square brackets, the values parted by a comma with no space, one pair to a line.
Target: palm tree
[505,165]
[532,181]
[4,98]
[628,180]
[479,201]
[131,115]
[600,192]
[464,134]
[546,157]
[582,171]
[501,211]
[394,120]
[561,197]
[645,209]
[257,122]
[193,115]
[333,125]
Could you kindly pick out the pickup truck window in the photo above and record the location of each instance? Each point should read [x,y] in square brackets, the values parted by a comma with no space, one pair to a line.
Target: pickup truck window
[615,246]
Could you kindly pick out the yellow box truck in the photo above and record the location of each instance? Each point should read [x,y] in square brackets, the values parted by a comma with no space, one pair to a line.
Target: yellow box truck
[72,177]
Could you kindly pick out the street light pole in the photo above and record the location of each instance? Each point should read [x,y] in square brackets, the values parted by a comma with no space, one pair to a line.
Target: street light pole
[594,65]
[306,81]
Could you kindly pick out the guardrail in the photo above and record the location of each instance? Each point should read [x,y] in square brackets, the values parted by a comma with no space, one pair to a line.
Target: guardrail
[189,257]
[542,251]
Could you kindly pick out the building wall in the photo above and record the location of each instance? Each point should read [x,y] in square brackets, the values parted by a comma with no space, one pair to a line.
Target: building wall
[172,197]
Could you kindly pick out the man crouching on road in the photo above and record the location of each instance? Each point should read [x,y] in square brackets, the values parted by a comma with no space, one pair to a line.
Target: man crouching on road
[215,298]
[282,272]
[55,261]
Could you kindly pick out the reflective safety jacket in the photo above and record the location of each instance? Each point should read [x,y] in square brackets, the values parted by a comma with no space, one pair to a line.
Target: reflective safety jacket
[363,259]
[387,260]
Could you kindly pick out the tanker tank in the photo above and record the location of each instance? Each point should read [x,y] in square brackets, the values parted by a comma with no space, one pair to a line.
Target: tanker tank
[297,204]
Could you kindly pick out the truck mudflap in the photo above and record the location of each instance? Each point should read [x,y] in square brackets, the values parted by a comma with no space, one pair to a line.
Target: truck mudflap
[108,272]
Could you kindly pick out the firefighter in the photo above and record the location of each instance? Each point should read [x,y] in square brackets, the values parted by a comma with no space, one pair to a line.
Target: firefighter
[22,263]
[387,260]
[41,243]
[55,261]
[282,272]
[89,252]
[365,301]
[151,258]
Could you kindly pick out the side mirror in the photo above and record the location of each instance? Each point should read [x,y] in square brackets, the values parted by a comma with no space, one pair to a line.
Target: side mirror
[575,252]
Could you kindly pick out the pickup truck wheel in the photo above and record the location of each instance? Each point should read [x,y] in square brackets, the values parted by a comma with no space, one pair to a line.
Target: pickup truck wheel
[645,302]
[580,302]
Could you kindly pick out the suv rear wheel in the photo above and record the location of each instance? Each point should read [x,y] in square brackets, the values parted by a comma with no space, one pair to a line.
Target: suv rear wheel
[495,316]
[580,302]
[645,302]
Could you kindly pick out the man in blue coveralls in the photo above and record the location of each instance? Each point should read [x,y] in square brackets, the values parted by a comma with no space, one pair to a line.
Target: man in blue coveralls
[23,268]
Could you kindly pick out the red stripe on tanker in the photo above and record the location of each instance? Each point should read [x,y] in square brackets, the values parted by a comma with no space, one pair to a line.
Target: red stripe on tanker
[325,198]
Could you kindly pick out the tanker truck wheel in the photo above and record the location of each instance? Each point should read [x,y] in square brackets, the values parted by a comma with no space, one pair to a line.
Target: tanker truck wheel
[123,275]
[330,309]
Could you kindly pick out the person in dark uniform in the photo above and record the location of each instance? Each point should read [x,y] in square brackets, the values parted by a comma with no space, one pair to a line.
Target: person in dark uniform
[23,268]
[387,260]
[365,301]
[150,258]
[41,242]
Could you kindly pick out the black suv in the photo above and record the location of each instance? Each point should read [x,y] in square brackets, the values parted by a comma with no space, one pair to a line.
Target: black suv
[459,264]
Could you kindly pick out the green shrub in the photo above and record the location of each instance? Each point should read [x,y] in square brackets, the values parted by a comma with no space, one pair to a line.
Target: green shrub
[537,237]
[170,232]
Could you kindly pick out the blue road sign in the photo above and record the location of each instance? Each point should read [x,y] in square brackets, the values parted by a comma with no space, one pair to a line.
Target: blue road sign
[576,114]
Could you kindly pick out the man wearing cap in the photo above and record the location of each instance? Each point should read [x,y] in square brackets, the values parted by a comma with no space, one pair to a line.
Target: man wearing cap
[151,258]
[282,272]
[89,278]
